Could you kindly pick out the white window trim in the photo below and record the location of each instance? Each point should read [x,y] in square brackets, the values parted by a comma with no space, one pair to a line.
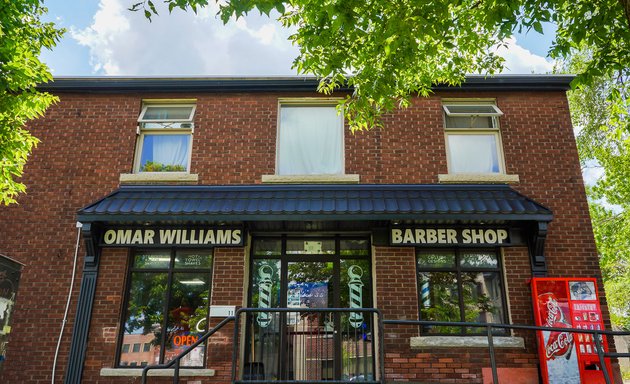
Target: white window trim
[497,112]
[310,102]
[158,177]
[141,132]
[152,105]
[470,341]
[311,179]
[495,130]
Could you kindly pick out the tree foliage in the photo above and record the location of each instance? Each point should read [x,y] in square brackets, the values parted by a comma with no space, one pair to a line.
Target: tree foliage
[22,37]
[599,112]
[389,51]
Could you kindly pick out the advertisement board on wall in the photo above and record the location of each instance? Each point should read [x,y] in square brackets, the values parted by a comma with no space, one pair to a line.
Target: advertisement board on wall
[10,272]
[567,357]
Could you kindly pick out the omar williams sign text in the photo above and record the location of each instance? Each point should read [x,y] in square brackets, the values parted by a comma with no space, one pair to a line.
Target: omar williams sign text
[120,237]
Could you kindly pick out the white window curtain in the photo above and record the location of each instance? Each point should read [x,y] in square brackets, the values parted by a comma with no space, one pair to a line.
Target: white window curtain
[310,141]
[473,153]
[166,149]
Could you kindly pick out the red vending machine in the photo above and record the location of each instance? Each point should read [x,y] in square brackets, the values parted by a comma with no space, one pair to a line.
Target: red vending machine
[567,358]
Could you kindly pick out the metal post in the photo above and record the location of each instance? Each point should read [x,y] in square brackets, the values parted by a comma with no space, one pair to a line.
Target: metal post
[493,362]
[176,372]
[237,318]
[381,332]
[600,354]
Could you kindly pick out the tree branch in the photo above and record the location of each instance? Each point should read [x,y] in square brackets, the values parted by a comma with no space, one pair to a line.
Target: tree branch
[625,4]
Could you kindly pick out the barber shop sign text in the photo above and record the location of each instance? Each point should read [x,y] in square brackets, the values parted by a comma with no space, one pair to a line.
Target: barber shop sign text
[415,236]
[124,237]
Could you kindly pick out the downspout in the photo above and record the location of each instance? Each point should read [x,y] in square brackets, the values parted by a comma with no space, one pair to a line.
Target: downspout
[65,315]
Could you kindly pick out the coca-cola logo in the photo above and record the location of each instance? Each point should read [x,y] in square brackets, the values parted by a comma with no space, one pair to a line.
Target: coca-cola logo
[554,313]
[559,344]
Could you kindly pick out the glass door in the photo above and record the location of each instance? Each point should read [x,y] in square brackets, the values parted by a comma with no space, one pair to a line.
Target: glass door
[307,343]
[310,336]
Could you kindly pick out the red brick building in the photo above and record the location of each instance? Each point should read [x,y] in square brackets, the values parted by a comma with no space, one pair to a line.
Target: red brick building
[200,196]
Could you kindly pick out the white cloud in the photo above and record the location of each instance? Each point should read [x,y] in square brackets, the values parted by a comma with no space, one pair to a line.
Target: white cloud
[122,42]
[520,60]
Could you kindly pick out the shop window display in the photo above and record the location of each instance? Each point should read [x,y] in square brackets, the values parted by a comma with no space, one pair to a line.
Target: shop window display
[460,286]
[166,306]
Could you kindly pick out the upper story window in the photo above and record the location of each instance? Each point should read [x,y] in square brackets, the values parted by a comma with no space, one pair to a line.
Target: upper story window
[310,140]
[165,138]
[473,141]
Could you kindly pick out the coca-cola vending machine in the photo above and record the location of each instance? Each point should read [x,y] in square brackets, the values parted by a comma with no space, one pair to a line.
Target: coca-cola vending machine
[567,358]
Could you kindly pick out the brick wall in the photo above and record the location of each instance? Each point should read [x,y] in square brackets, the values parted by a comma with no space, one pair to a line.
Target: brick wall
[89,140]
[396,290]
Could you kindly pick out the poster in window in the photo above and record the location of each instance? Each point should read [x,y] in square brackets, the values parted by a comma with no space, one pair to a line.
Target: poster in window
[9,280]
[582,290]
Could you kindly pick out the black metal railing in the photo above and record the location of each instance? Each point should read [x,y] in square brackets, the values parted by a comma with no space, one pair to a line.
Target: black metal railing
[596,337]
[307,345]
[302,338]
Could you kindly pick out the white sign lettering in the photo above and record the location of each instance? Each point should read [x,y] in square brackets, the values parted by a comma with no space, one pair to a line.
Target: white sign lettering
[446,236]
[176,236]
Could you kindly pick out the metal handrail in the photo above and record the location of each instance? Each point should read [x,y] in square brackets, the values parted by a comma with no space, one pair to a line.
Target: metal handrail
[489,326]
[176,361]
[379,317]
[381,323]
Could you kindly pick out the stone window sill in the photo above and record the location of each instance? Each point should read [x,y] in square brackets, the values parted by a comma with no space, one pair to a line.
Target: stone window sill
[158,177]
[486,178]
[137,372]
[310,179]
[466,342]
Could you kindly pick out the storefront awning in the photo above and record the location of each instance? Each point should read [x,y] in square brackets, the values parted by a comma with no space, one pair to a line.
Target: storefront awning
[314,202]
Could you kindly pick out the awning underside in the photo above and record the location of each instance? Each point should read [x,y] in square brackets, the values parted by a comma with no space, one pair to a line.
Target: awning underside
[314,202]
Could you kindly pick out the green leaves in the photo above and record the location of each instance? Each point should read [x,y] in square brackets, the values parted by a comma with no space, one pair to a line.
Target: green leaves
[392,50]
[22,37]
[599,111]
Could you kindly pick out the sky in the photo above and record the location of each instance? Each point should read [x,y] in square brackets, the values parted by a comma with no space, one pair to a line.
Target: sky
[103,38]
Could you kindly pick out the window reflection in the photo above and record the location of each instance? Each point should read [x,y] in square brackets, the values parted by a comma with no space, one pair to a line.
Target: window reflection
[460,286]
[150,336]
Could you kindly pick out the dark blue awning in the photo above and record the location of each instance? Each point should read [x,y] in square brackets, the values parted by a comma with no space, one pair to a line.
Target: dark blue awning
[314,202]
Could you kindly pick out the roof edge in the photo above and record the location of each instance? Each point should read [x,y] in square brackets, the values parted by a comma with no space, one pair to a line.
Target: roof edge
[124,84]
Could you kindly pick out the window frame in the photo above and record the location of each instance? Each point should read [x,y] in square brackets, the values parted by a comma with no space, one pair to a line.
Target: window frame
[494,131]
[311,102]
[142,131]
[170,271]
[458,269]
[147,105]
[445,106]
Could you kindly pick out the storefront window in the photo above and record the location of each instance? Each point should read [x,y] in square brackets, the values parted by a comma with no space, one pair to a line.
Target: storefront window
[460,286]
[168,290]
